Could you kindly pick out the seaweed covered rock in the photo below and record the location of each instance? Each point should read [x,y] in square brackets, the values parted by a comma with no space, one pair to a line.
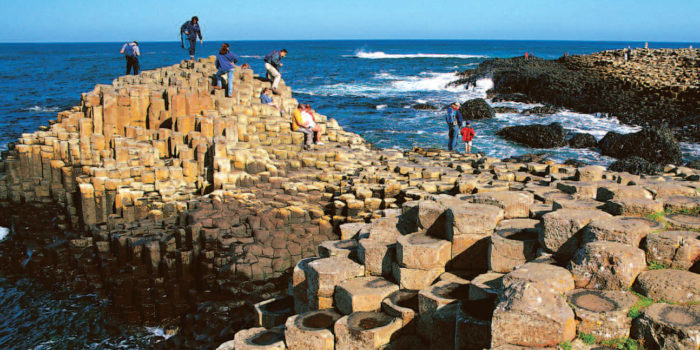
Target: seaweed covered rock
[541,110]
[536,135]
[657,145]
[636,165]
[476,109]
[582,140]
[515,97]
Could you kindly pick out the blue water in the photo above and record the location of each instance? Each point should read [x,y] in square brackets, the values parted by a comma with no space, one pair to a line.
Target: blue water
[368,86]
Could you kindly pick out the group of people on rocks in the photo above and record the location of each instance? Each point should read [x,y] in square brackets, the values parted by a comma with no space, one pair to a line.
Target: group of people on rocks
[456,126]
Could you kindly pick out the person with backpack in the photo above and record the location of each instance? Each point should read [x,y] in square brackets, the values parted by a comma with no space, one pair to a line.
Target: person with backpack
[467,136]
[224,62]
[131,53]
[454,121]
[190,29]
[272,67]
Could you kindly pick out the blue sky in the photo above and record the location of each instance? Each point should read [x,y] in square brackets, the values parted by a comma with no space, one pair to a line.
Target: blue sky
[151,20]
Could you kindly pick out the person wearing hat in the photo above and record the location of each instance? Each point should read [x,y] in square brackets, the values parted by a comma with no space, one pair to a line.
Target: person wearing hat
[454,121]
[131,53]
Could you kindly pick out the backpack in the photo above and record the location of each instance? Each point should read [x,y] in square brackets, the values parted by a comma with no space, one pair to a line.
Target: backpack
[129,51]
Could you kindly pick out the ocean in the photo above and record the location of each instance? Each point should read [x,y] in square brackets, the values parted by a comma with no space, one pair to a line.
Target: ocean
[368,86]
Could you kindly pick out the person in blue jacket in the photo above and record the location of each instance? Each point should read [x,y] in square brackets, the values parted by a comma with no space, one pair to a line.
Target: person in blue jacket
[224,62]
[191,30]
[272,67]
[131,53]
[454,121]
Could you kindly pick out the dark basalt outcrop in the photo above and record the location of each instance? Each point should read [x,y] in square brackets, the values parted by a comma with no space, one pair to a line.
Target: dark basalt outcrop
[476,109]
[536,135]
[541,110]
[582,140]
[655,145]
[636,165]
[424,106]
[505,110]
[652,86]
[517,97]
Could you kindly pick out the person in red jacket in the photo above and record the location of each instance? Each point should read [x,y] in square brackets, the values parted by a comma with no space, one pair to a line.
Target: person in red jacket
[467,136]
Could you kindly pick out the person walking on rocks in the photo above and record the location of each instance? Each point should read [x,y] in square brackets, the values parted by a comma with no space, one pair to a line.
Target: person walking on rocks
[467,136]
[224,62]
[190,29]
[454,120]
[300,125]
[272,66]
[131,53]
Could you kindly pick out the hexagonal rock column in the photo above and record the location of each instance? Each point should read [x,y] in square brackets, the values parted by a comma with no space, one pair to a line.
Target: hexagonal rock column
[420,251]
[529,316]
[512,247]
[435,297]
[677,249]
[404,305]
[486,286]
[324,274]
[365,330]
[376,255]
[311,331]
[606,265]
[442,335]
[602,313]
[683,221]
[346,248]
[473,325]
[623,229]
[362,294]
[515,204]
[664,326]
[259,339]
[562,228]
[299,285]
[421,214]
[633,206]
[674,286]
[549,277]
[273,312]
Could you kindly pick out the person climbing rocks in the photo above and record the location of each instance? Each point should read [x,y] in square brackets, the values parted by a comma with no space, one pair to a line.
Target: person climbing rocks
[131,53]
[224,62]
[272,66]
[300,125]
[467,136]
[454,120]
[190,29]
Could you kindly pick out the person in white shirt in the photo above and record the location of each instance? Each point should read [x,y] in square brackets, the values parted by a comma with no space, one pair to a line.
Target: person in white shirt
[308,115]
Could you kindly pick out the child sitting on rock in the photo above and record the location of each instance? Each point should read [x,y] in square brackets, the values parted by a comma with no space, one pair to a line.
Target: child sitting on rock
[467,136]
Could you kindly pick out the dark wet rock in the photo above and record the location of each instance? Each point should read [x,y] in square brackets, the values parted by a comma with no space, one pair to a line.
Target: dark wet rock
[505,110]
[583,140]
[636,166]
[695,164]
[575,162]
[424,106]
[655,144]
[516,97]
[536,135]
[541,110]
[476,109]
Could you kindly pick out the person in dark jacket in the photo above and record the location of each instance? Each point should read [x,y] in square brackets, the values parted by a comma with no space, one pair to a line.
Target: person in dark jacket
[191,30]
[454,121]
[225,61]
[131,53]
[272,66]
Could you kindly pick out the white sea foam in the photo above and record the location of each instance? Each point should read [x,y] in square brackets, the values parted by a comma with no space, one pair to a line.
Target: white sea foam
[380,107]
[42,109]
[251,56]
[386,84]
[158,332]
[377,55]
[4,231]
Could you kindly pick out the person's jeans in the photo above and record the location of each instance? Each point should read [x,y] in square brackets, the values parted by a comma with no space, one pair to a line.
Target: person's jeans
[308,134]
[132,62]
[454,138]
[273,75]
[193,44]
[219,80]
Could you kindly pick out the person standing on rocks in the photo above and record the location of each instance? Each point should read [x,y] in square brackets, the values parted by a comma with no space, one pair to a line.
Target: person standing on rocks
[225,61]
[300,125]
[131,53]
[467,136]
[190,29]
[454,120]
[272,66]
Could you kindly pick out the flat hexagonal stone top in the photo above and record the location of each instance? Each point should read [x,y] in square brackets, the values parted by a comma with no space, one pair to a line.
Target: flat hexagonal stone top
[555,277]
[313,320]
[676,286]
[684,221]
[521,224]
[368,285]
[450,290]
[267,338]
[675,316]
[601,301]
[623,229]
[366,320]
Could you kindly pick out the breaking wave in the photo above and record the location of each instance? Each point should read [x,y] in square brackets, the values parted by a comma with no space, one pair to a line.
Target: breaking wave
[378,55]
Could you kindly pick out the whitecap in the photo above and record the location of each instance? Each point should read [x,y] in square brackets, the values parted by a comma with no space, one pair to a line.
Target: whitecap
[250,56]
[42,109]
[376,55]
[4,231]
[380,107]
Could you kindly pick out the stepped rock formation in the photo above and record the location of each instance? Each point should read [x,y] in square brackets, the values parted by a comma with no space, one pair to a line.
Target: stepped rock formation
[170,200]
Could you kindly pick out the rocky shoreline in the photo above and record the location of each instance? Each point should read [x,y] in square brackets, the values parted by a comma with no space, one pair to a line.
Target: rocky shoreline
[179,205]
[651,88]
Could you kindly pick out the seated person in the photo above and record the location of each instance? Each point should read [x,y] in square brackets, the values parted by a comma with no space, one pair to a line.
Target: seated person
[266,98]
[308,113]
[302,126]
